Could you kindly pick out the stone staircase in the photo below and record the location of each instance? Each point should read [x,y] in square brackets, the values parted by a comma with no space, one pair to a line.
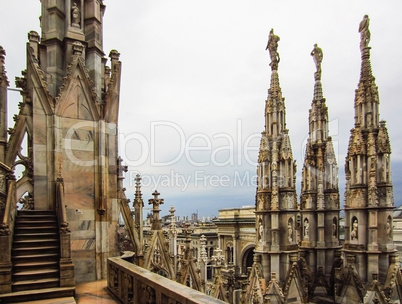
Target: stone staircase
[35,259]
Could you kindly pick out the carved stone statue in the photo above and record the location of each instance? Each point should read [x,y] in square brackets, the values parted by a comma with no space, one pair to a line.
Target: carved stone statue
[354,233]
[306,228]
[290,233]
[75,16]
[334,230]
[388,229]
[272,46]
[317,57]
[364,32]
[261,232]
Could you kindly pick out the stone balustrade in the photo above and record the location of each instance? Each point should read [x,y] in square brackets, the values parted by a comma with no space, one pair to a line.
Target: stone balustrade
[133,284]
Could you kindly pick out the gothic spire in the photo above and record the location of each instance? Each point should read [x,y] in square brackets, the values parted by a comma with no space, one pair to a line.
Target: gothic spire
[318,114]
[320,195]
[366,98]
[276,179]
[138,202]
[368,176]
[275,122]
[364,31]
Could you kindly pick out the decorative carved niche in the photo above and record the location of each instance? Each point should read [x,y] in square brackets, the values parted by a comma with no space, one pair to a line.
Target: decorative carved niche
[76,14]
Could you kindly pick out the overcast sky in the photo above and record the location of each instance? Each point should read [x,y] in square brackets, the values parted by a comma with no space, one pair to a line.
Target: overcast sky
[195,80]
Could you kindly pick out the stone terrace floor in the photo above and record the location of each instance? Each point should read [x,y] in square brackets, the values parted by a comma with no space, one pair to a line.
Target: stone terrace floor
[85,293]
[93,292]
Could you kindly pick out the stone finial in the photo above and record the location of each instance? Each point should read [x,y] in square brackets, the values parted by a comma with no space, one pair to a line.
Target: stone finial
[156,202]
[3,75]
[114,58]
[78,48]
[203,253]
[364,32]
[33,36]
[121,168]
[272,46]
[172,228]
[138,203]
[34,40]
[188,231]
[114,55]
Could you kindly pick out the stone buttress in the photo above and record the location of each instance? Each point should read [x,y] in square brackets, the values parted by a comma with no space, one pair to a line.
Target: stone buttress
[69,118]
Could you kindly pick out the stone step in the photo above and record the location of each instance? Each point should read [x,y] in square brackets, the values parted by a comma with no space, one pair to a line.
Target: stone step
[26,236]
[23,251]
[35,216]
[32,243]
[46,295]
[33,258]
[41,264]
[35,274]
[41,222]
[35,229]
[34,284]
[36,212]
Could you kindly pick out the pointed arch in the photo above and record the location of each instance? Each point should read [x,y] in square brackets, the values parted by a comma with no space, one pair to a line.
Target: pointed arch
[77,98]
[24,185]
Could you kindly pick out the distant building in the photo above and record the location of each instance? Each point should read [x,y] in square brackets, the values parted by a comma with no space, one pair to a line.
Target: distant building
[236,234]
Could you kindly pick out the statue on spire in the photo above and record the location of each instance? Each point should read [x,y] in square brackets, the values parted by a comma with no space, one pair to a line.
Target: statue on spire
[272,46]
[317,57]
[364,32]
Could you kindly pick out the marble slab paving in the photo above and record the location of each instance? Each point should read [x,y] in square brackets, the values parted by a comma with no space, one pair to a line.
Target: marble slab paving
[93,293]
[66,300]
